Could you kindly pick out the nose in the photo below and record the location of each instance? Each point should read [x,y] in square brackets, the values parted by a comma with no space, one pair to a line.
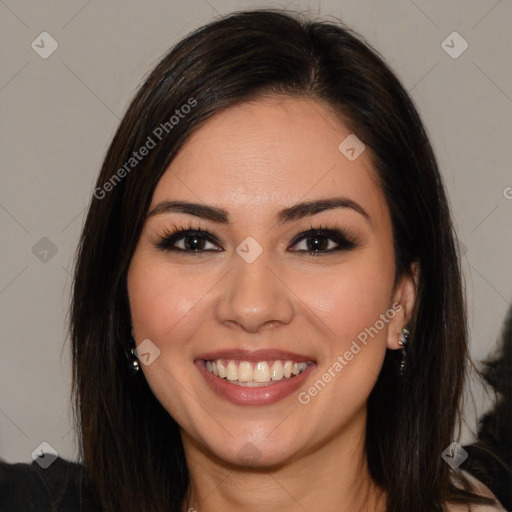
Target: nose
[253,297]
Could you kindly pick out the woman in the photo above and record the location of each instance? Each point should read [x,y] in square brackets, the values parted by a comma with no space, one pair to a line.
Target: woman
[270,232]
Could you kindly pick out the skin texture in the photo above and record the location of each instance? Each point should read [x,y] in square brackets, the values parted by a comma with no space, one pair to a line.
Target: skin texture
[253,160]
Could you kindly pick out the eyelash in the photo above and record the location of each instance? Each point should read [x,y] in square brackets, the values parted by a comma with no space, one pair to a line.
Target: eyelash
[345,239]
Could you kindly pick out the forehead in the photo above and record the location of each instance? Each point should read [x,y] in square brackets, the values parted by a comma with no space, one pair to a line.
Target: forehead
[267,153]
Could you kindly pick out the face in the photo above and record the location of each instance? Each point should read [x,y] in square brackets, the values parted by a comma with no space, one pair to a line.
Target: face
[294,304]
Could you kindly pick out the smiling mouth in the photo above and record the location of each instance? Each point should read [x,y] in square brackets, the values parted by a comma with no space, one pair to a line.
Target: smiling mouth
[257,373]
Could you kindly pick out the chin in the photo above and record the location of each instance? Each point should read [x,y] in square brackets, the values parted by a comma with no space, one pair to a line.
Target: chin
[251,454]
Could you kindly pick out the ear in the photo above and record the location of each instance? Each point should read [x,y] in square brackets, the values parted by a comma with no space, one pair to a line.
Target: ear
[402,302]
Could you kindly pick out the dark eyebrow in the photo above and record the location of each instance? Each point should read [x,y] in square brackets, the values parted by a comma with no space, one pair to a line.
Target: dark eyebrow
[301,210]
[295,212]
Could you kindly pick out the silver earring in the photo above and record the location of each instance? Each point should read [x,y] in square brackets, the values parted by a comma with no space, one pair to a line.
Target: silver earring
[403,342]
[133,362]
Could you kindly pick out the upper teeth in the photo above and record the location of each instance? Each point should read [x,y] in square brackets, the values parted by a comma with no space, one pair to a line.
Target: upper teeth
[260,371]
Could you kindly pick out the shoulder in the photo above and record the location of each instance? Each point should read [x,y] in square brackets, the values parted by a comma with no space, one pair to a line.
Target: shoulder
[480,489]
[33,488]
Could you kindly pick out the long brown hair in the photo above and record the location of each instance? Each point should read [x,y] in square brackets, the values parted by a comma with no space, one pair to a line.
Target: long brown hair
[130,445]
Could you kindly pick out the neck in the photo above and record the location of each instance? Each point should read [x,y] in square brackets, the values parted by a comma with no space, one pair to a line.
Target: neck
[333,477]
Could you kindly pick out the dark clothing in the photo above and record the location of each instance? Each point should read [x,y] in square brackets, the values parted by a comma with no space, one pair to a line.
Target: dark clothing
[30,488]
[58,488]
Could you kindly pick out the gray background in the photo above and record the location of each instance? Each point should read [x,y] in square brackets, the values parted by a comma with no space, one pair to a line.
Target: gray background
[58,115]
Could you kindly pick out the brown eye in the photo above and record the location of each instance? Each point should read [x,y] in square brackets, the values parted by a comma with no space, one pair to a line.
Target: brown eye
[318,241]
[187,241]
[315,241]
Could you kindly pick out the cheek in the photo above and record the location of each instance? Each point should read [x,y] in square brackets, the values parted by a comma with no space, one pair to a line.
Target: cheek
[352,302]
[165,302]
[156,302]
[351,299]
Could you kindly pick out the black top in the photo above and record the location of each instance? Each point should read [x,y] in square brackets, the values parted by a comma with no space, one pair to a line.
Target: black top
[63,484]
[28,487]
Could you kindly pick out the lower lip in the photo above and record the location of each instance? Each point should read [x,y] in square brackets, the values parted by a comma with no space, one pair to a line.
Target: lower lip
[264,395]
